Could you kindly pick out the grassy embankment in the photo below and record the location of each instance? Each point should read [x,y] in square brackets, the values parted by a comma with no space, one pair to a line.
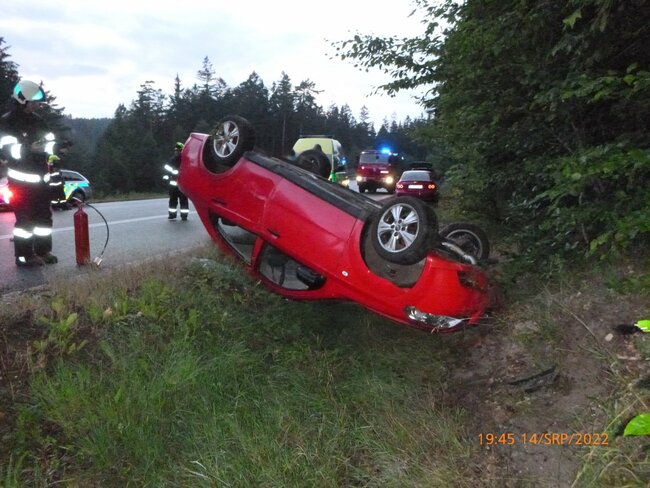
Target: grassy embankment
[189,373]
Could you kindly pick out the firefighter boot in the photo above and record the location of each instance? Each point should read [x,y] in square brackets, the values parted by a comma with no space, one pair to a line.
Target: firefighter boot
[29,261]
[171,216]
[49,258]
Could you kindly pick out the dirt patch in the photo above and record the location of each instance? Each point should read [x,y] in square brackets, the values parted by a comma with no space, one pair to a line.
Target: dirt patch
[535,383]
[15,342]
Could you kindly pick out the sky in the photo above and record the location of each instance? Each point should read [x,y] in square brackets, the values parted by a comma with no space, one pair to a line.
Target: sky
[92,55]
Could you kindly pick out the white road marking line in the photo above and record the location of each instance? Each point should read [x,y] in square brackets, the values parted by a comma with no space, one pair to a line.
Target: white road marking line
[101,224]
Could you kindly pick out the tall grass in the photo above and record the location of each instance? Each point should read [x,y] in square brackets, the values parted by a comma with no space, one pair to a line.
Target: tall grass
[197,376]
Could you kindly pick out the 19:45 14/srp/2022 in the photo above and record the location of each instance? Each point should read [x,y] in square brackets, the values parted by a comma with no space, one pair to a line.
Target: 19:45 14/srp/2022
[544,439]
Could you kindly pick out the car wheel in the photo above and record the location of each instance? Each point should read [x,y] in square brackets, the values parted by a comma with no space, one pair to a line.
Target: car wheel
[315,162]
[403,230]
[362,188]
[231,138]
[469,237]
[78,195]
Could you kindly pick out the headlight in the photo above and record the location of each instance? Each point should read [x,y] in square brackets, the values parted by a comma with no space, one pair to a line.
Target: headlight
[389,180]
[436,322]
[359,178]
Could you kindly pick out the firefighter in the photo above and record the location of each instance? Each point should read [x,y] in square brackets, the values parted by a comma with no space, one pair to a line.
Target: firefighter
[171,177]
[25,143]
[56,183]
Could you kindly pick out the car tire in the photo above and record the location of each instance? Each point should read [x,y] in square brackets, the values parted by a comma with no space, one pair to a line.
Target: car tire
[79,195]
[362,188]
[315,162]
[231,138]
[403,230]
[469,237]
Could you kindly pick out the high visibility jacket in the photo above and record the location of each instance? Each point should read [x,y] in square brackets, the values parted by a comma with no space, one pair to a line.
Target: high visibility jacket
[57,185]
[25,143]
[171,170]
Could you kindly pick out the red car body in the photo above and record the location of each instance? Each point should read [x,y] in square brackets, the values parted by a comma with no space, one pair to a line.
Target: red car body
[418,183]
[318,228]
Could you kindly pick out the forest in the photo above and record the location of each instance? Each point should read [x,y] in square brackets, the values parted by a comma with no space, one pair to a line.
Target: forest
[544,110]
[538,116]
[126,153]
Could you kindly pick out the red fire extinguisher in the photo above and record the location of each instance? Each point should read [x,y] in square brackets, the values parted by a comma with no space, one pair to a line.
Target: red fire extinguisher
[81,237]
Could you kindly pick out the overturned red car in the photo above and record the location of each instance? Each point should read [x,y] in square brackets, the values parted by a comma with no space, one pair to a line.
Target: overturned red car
[307,238]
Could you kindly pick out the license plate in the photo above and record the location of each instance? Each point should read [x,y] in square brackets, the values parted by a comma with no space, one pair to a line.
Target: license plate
[415,187]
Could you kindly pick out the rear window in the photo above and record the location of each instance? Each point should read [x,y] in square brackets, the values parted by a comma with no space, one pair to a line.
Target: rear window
[417,176]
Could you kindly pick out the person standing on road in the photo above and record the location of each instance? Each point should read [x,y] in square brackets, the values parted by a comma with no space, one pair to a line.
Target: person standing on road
[171,176]
[25,144]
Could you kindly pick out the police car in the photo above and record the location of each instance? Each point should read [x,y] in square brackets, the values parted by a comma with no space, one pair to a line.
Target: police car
[76,186]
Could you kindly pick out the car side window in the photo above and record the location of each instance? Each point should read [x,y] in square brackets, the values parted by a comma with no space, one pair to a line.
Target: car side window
[71,176]
[282,270]
[238,238]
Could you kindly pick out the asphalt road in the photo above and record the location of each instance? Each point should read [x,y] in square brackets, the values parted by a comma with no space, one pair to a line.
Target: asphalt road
[138,230]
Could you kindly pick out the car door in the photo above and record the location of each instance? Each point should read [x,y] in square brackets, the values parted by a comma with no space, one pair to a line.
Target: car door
[306,227]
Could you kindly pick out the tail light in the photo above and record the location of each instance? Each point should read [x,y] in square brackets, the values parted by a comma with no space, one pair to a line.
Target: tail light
[400,185]
[431,186]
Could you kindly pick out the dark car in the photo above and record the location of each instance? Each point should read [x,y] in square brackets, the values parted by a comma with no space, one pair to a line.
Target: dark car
[418,183]
[307,238]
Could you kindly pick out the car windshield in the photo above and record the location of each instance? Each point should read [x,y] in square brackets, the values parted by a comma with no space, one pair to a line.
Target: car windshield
[417,176]
[377,158]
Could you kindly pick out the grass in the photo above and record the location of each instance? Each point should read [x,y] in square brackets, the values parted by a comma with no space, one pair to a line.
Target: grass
[208,379]
[189,373]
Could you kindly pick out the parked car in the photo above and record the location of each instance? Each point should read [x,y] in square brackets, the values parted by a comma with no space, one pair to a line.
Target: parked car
[307,238]
[323,153]
[377,169]
[76,186]
[418,183]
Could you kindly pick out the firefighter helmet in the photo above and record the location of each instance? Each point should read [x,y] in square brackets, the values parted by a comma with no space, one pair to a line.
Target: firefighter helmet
[53,159]
[28,91]
[179,146]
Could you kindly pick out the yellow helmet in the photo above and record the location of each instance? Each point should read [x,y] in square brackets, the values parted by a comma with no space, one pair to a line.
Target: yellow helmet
[53,158]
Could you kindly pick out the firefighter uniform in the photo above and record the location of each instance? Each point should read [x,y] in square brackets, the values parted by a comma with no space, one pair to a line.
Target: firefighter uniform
[25,143]
[56,183]
[171,177]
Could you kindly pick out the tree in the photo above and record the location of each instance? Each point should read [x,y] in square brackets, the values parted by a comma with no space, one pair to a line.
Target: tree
[544,103]
[8,72]
[282,107]
[251,100]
